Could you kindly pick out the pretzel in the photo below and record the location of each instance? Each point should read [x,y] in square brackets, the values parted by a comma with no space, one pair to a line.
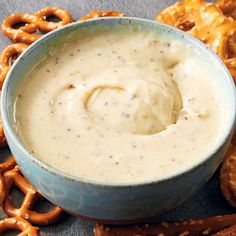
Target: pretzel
[182,14]
[2,189]
[7,165]
[45,26]
[223,31]
[23,34]
[228,7]
[206,22]
[230,231]
[207,226]
[34,23]
[3,141]
[18,223]
[5,59]
[228,174]
[14,177]
[98,13]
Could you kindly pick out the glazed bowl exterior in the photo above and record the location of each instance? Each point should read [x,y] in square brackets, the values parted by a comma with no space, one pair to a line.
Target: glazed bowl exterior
[103,201]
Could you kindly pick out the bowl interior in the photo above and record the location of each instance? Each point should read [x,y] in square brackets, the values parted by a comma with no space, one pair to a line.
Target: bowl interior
[49,43]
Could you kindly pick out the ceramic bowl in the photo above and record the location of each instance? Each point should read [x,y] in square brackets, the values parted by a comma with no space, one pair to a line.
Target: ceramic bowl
[102,201]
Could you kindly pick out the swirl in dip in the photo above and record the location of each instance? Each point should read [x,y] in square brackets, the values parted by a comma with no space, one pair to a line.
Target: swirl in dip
[123,106]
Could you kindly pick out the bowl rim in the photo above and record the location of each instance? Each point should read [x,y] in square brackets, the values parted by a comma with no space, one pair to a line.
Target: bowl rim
[10,131]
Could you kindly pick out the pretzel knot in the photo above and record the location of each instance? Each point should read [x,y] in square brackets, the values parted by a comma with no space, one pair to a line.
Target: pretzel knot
[18,223]
[208,23]
[45,26]
[23,34]
[6,57]
[14,177]
[98,13]
[34,23]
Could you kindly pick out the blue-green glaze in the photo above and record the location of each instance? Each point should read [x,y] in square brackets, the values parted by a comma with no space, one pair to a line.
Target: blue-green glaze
[99,200]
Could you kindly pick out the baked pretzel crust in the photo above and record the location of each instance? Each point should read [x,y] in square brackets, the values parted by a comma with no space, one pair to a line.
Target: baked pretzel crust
[23,34]
[2,189]
[33,23]
[13,50]
[45,26]
[14,177]
[207,226]
[18,223]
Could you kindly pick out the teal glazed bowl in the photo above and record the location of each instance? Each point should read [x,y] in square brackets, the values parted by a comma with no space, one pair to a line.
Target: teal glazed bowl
[98,200]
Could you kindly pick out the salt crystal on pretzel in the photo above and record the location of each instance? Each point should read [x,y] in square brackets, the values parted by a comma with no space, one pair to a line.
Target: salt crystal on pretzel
[18,223]
[207,226]
[98,13]
[14,177]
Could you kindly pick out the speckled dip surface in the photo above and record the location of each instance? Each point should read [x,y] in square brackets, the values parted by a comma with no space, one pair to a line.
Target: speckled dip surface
[208,201]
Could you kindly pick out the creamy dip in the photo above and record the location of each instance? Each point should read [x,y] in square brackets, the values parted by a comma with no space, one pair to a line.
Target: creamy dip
[124,106]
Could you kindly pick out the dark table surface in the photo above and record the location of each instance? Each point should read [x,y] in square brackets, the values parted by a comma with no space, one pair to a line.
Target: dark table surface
[208,201]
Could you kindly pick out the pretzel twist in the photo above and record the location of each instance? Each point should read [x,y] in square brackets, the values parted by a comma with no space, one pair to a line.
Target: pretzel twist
[45,26]
[207,226]
[14,177]
[98,13]
[206,22]
[23,34]
[18,223]
[8,53]
[34,23]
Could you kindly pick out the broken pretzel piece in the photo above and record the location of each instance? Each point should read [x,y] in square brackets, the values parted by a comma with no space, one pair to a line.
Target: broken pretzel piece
[18,223]
[14,177]
[207,226]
